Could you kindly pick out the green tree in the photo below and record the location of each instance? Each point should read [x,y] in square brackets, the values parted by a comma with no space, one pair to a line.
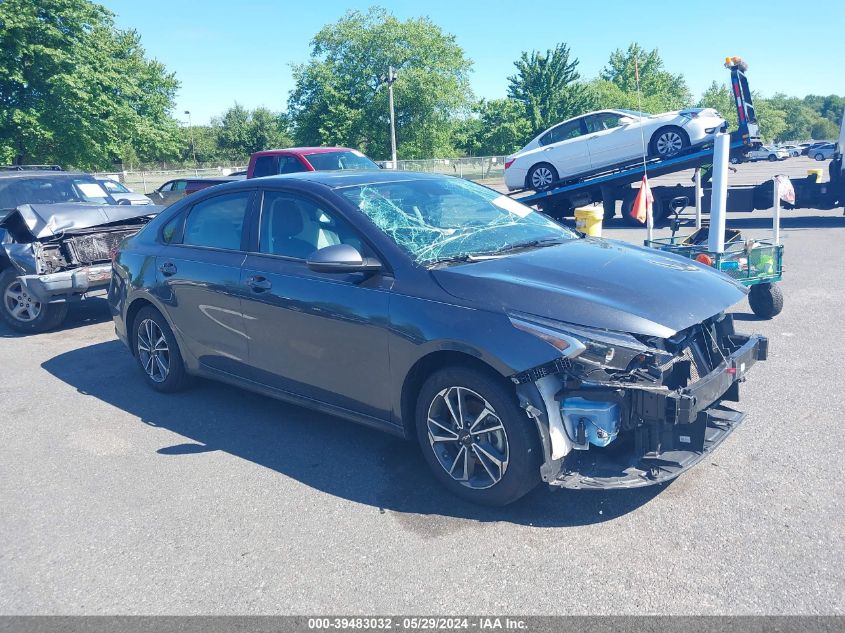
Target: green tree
[240,132]
[499,127]
[338,98]
[547,87]
[76,90]
[661,91]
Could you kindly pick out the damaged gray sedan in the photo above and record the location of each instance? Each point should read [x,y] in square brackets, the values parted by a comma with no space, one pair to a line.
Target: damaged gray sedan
[57,233]
[512,349]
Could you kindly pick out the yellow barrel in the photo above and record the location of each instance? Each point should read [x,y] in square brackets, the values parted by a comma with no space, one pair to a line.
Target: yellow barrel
[588,220]
[818,173]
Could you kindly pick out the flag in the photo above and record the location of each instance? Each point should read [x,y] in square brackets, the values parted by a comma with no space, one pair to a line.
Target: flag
[641,209]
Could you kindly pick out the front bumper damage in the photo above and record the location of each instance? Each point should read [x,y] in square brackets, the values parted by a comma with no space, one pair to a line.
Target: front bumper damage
[663,432]
[67,284]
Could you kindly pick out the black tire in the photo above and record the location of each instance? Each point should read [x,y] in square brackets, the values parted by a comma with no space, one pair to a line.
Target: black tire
[668,141]
[735,160]
[772,158]
[766,300]
[659,210]
[36,316]
[819,157]
[174,378]
[520,446]
[541,177]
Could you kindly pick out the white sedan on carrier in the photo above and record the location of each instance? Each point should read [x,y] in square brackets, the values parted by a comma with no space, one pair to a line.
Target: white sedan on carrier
[598,140]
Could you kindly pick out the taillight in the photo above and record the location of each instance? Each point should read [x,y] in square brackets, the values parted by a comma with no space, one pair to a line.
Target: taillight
[508,163]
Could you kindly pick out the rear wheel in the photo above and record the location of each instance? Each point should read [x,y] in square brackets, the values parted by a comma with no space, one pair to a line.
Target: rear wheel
[157,351]
[541,177]
[766,300]
[819,157]
[475,438]
[23,312]
[668,141]
[772,158]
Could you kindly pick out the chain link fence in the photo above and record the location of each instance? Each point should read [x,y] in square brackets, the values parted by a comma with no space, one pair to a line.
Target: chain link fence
[145,181]
[481,168]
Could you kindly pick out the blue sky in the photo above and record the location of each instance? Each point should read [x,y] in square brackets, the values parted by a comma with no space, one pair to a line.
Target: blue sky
[225,51]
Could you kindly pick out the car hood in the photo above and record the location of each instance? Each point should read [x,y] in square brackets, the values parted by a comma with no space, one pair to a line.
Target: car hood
[40,221]
[597,283]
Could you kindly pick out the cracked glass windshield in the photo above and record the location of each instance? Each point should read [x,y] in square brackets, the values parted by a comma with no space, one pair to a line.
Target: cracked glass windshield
[450,219]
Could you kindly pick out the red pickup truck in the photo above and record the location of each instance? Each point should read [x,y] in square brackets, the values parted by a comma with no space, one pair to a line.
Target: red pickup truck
[295,159]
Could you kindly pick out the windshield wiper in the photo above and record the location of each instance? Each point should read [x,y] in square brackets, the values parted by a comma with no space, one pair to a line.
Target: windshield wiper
[541,243]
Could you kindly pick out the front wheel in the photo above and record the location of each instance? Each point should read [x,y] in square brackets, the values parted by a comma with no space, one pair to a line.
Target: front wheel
[819,157]
[766,300]
[542,176]
[772,158]
[475,438]
[23,312]
[668,142]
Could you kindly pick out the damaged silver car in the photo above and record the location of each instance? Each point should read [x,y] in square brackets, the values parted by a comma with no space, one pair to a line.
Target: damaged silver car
[57,233]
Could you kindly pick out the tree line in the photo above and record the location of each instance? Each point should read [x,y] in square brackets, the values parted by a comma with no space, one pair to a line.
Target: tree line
[78,91]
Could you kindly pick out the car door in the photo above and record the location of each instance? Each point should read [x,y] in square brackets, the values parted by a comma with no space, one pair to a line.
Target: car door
[199,280]
[609,142]
[318,335]
[564,147]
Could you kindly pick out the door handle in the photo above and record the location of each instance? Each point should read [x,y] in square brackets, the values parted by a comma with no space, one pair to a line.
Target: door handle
[167,269]
[258,283]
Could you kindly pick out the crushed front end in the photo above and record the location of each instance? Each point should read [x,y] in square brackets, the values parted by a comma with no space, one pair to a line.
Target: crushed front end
[623,411]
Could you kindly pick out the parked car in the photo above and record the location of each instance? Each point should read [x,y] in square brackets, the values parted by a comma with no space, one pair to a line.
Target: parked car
[767,152]
[122,193]
[793,150]
[293,160]
[178,188]
[598,140]
[57,231]
[510,347]
[823,152]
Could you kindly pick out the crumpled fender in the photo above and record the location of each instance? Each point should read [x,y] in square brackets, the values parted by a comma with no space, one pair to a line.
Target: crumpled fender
[22,257]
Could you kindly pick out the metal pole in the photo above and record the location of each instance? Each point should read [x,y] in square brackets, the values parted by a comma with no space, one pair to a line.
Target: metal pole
[698,195]
[391,77]
[719,196]
[776,207]
[193,146]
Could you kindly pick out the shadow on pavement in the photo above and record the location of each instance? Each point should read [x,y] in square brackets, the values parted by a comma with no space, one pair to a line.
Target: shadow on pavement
[329,454]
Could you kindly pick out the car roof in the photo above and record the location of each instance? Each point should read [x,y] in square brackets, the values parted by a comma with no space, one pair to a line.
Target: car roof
[350,177]
[37,173]
[302,150]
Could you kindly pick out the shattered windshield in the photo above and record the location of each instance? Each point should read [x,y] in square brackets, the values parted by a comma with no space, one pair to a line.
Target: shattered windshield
[452,219]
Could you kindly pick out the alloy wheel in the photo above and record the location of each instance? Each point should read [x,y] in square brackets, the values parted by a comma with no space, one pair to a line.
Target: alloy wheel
[669,143]
[153,351]
[467,438]
[20,304]
[542,177]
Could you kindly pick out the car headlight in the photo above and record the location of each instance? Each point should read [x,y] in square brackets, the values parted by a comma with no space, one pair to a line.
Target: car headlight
[592,347]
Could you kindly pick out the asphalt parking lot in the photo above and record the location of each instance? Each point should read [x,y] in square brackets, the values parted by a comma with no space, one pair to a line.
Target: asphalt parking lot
[119,500]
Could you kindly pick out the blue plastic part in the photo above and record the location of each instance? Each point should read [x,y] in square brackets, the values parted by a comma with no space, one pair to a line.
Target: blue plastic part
[598,421]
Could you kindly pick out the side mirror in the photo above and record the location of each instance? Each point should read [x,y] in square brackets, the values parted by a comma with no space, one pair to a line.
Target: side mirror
[341,258]
[626,120]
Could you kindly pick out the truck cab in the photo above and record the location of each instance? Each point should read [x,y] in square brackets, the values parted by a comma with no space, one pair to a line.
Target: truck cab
[291,160]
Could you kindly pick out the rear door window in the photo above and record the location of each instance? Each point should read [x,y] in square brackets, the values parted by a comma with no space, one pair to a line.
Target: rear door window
[217,222]
[290,165]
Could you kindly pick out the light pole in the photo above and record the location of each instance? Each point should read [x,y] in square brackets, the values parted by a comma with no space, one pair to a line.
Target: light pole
[389,79]
[193,147]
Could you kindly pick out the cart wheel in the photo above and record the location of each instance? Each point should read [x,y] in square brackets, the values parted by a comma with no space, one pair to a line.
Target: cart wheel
[766,300]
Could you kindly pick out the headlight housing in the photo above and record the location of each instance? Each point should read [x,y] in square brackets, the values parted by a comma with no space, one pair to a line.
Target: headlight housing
[593,348]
